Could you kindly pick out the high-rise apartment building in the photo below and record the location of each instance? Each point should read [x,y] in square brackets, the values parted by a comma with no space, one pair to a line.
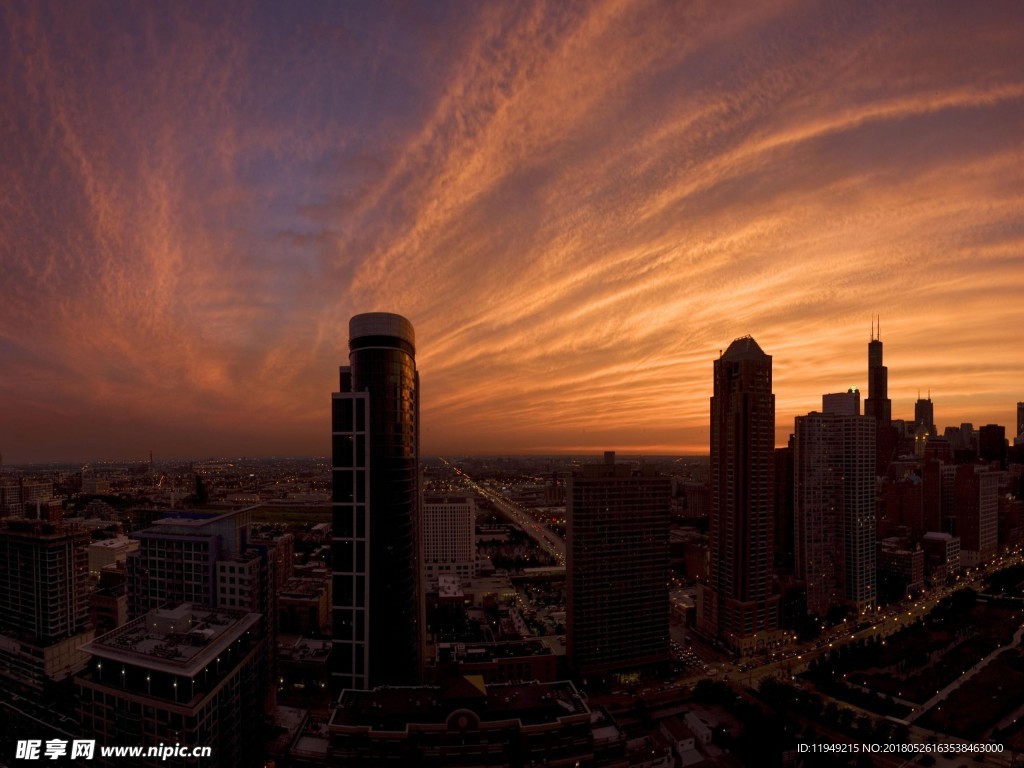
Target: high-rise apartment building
[44,601]
[992,444]
[834,499]
[17,497]
[179,676]
[448,536]
[977,513]
[818,510]
[617,568]
[842,403]
[201,558]
[376,507]
[205,559]
[738,605]
[785,543]
[878,403]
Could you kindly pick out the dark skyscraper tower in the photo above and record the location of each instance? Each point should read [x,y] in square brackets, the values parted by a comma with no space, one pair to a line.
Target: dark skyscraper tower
[1020,420]
[617,568]
[992,443]
[924,414]
[878,403]
[376,506]
[737,604]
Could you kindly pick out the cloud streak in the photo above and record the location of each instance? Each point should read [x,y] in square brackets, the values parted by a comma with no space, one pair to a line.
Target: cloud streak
[577,206]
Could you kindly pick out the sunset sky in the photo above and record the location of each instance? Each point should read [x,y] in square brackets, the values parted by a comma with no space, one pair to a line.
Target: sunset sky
[576,204]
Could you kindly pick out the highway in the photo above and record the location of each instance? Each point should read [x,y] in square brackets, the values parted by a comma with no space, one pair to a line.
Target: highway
[546,539]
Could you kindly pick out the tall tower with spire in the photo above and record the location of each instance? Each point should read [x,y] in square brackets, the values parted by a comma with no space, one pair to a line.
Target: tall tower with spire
[878,403]
[924,414]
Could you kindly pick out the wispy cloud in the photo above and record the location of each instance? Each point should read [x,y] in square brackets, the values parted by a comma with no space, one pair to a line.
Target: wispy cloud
[577,206]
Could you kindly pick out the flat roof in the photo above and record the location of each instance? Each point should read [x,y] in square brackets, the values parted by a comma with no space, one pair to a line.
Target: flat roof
[480,652]
[181,641]
[119,541]
[395,708]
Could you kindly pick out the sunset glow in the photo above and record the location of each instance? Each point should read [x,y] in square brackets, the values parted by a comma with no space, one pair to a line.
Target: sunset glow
[577,205]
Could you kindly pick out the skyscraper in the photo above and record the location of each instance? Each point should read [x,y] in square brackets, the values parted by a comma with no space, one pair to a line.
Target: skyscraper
[44,601]
[818,509]
[834,499]
[617,568]
[878,403]
[1020,421]
[448,533]
[924,414]
[375,510]
[992,444]
[737,605]
[977,513]
[842,403]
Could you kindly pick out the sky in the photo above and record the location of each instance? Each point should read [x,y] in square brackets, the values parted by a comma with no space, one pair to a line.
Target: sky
[577,205]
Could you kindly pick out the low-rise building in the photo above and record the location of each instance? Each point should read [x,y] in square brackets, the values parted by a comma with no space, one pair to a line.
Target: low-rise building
[900,567]
[107,551]
[304,606]
[495,662]
[462,722]
[941,556]
[302,669]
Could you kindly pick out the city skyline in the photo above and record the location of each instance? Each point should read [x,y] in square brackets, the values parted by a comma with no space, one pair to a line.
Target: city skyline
[578,208]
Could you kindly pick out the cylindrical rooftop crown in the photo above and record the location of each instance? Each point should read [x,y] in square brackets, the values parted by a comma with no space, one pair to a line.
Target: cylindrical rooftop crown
[381,324]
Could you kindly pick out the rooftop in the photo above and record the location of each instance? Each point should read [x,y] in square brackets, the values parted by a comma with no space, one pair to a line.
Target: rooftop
[435,498]
[484,652]
[394,708]
[193,520]
[381,324]
[181,641]
[744,348]
[115,543]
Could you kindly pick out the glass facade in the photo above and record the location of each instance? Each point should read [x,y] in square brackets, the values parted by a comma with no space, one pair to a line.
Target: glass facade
[375,446]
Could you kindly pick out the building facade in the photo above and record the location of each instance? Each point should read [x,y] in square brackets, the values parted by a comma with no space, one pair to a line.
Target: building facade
[877,403]
[924,415]
[842,403]
[464,722]
[977,513]
[201,558]
[738,605]
[44,601]
[617,569]
[179,676]
[376,615]
[834,500]
[449,546]
[18,496]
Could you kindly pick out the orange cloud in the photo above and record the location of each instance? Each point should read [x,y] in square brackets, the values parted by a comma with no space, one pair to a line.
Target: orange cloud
[577,206]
